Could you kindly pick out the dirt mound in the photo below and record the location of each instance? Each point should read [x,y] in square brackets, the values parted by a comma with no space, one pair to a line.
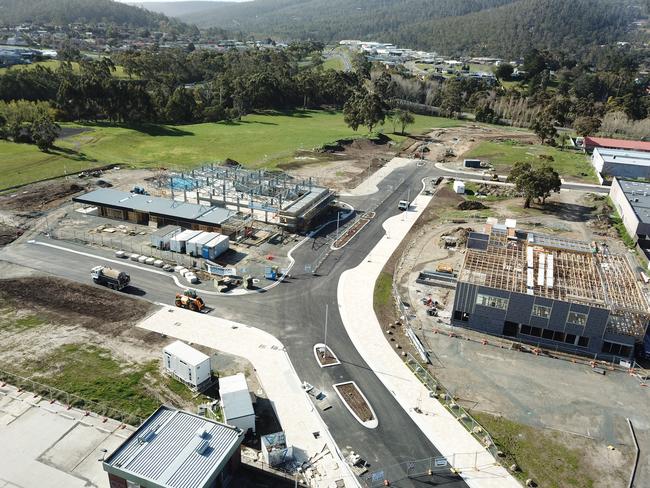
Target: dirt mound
[8,234]
[360,144]
[471,205]
[39,196]
[231,163]
[95,308]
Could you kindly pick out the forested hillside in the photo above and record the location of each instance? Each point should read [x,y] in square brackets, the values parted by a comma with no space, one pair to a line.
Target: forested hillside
[499,27]
[63,12]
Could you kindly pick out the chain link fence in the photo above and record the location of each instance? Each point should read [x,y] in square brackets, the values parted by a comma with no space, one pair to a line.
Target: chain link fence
[68,399]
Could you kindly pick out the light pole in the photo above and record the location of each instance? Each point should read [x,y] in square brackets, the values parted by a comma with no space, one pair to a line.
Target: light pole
[338,218]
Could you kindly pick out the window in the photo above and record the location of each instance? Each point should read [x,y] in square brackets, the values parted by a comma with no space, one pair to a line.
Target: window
[169,361]
[570,339]
[525,329]
[577,318]
[536,331]
[493,302]
[616,349]
[558,336]
[547,334]
[458,315]
[583,341]
[541,311]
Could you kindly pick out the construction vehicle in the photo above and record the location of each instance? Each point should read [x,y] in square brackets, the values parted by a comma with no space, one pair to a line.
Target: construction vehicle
[445,268]
[112,278]
[189,300]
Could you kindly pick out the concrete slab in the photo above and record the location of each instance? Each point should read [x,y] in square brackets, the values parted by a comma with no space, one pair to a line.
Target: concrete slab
[73,448]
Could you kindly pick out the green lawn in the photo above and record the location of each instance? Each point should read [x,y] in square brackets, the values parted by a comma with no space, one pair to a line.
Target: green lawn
[54,64]
[571,165]
[333,63]
[259,140]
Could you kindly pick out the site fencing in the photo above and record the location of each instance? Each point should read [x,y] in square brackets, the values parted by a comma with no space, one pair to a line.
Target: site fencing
[68,399]
[437,470]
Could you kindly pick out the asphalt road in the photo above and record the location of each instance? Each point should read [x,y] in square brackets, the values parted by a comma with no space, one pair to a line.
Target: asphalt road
[294,311]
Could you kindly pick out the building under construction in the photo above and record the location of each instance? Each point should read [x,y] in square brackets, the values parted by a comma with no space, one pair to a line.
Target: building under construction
[549,291]
[270,197]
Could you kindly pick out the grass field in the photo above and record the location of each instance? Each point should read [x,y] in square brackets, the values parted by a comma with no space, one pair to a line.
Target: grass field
[503,155]
[54,64]
[540,454]
[259,140]
[334,63]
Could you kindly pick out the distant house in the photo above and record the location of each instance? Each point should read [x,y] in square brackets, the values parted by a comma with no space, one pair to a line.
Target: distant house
[590,143]
[620,163]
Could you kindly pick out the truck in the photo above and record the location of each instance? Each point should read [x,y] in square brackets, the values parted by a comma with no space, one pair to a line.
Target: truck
[189,300]
[403,205]
[112,278]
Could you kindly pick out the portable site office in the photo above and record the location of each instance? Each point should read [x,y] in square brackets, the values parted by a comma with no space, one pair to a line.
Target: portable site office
[194,247]
[185,363]
[178,242]
[216,247]
[162,236]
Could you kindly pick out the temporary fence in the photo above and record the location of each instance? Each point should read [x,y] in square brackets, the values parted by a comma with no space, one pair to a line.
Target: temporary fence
[438,470]
[68,399]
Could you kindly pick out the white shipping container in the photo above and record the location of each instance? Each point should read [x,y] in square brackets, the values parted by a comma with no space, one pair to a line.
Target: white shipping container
[194,247]
[186,363]
[160,239]
[177,243]
[216,247]
[459,187]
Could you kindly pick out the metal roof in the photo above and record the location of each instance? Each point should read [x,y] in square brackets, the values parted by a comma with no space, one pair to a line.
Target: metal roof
[619,156]
[187,353]
[165,451]
[590,142]
[638,194]
[156,205]
[235,397]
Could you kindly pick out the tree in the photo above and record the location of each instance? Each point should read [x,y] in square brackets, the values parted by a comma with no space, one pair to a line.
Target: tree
[364,108]
[586,126]
[504,71]
[452,98]
[404,118]
[534,183]
[361,65]
[544,128]
[44,132]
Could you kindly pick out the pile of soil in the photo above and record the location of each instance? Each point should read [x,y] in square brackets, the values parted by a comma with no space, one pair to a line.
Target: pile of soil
[496,190]
[231,163]
[8,234]
[360,144]
[461,234]
[95,308]
[471,205]
[39,196]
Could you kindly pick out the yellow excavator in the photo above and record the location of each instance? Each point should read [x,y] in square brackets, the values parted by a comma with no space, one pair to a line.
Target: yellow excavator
[190,300]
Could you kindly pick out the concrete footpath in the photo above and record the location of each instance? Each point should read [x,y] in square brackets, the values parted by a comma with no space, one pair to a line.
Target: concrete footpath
[295,411]
[369,185]
[355,298]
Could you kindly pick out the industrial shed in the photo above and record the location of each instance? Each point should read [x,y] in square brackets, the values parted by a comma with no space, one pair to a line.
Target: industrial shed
[632,201]
[620,163]
[176,449]
[150,210]
[236,401]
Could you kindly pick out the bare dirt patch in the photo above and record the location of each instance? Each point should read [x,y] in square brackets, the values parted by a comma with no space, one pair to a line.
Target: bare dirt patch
[94,308]
[344,164]
[325,356]
[353,397]
[41,196]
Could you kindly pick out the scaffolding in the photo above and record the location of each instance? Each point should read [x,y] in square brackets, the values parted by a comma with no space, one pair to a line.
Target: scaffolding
[576,273]
[269,196]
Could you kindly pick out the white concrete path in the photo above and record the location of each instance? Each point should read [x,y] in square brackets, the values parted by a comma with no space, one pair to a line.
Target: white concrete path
[355,299]
[296,413]
[369,185]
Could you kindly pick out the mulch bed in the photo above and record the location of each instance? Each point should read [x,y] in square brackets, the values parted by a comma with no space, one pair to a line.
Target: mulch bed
[356,401]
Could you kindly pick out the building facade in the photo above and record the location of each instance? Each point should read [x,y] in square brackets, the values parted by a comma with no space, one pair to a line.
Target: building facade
[555,293]
[632,202]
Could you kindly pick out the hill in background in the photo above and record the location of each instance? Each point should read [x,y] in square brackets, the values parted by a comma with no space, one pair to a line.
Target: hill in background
[62,12]
[495,27]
